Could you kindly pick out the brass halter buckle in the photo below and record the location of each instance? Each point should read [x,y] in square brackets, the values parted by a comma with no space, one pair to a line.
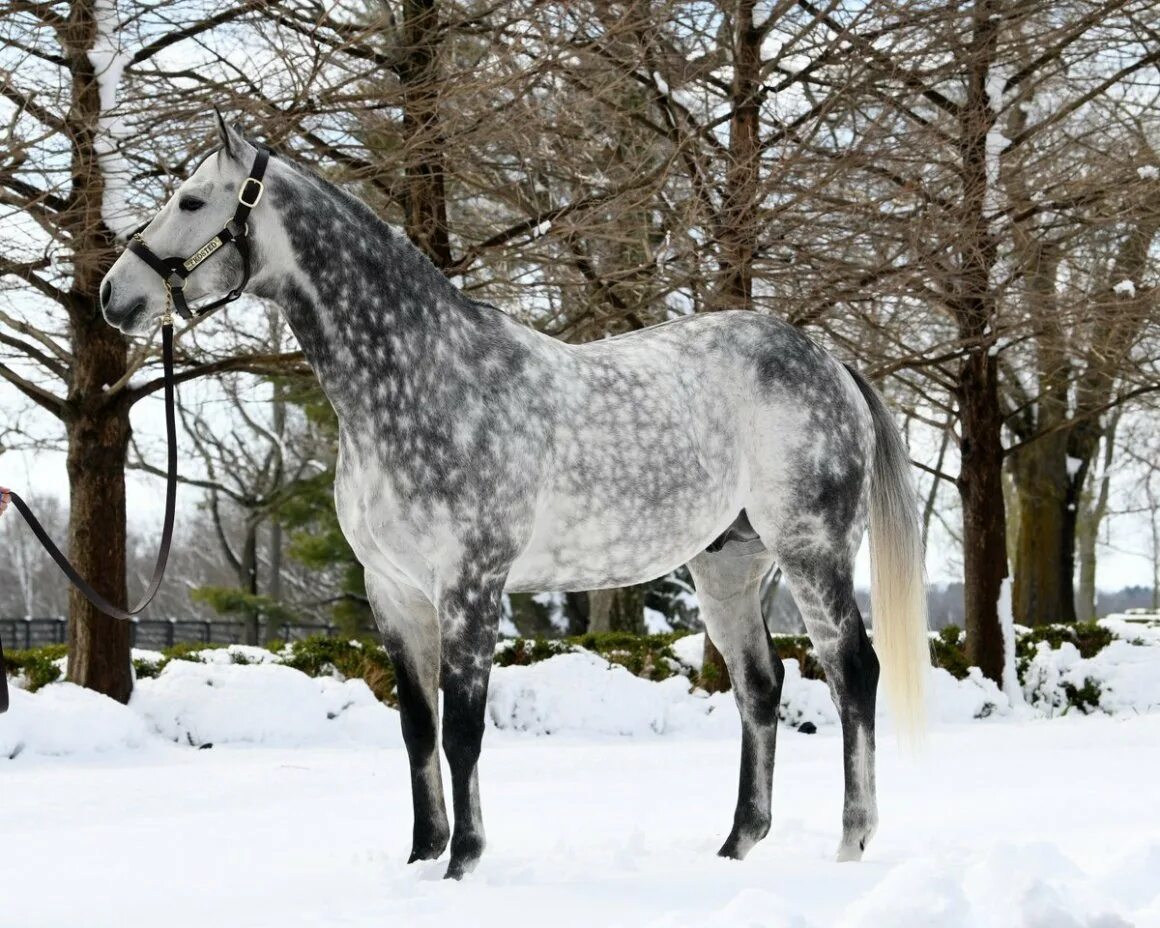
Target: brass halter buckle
[167,313]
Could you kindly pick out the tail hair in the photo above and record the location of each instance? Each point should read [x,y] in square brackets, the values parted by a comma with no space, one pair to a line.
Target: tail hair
[897,575]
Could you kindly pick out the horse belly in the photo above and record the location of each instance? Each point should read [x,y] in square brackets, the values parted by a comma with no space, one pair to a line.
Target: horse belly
[610,539]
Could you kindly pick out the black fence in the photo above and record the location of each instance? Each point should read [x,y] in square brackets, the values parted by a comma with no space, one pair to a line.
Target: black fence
[152,633]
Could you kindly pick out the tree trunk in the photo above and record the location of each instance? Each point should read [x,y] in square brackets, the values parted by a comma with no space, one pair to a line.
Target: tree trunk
[737,224]
[980,443]
[984,531]
[248,581]
[617,610]
[97,427]
[714,673]
[418,70]
[599,611]
[1093,506]
[98,441]
[274,581]
[1043,592]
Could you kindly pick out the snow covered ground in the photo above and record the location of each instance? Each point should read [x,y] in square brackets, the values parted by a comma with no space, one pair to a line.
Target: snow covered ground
[299,814]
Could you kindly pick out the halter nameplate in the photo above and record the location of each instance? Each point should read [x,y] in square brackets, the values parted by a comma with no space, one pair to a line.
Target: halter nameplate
[202,253]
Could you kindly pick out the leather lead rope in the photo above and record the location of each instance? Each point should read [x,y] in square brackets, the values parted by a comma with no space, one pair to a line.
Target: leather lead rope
[173,272]
[62,562]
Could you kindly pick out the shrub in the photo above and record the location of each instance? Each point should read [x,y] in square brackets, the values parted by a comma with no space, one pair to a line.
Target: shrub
[647,656]
[365,660]
[145,669]
[524,651]
[801,649]
[1086,698]
[948,652]
[37,665]
[187,651]
[1089,637]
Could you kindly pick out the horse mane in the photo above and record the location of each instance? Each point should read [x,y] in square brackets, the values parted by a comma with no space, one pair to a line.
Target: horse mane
[395,239]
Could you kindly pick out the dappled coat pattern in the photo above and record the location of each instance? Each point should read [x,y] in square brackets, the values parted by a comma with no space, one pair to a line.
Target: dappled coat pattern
[478,455]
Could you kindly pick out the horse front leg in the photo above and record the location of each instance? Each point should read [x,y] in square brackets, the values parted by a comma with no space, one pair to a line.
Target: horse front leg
[410,630]
[469,614]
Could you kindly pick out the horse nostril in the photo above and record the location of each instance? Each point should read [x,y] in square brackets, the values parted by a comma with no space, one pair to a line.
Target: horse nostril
[106,293]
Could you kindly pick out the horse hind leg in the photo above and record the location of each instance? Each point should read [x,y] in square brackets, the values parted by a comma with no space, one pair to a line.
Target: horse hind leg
[728,588]
[823,588]
[410,632]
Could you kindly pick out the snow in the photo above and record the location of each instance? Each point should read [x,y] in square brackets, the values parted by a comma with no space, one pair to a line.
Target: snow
[1010,824]
[1125,287]
[218,703]
[1007,624]
[656,622]
[1126,675]
[1148,172]
[605,797]
[109,59]
[690,650]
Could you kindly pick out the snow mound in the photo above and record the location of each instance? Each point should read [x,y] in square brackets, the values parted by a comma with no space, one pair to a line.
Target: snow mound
[584,692]
[1127,677]
[690,650]
[269,704]
[1030,884]
[237,654]
[245,695]
[975,697]
[805,700]
[67,719]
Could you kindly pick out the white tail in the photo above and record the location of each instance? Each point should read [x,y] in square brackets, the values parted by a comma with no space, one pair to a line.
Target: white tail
[897,577]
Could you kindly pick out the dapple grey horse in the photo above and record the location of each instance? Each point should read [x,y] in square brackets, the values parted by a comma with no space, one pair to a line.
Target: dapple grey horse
[477,455]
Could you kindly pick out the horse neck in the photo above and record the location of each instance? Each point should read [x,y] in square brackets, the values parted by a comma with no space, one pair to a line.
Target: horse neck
[368,309]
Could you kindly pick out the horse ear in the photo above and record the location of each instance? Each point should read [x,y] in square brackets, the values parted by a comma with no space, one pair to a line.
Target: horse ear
[231,137]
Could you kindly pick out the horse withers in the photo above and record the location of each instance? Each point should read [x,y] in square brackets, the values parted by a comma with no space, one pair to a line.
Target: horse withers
[478,456]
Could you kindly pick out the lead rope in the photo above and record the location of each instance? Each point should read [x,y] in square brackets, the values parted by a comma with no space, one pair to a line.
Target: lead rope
[8,496]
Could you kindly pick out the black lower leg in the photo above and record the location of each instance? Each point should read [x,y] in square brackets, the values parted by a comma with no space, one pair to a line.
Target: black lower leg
[419,724]
[463,722]
[468,650]
[855,696]
[758,695]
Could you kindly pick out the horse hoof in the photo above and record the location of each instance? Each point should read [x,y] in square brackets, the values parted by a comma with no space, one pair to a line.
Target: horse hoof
[465,855]
[426,853]
[849,853]
[458,869]
[736,846]
[429,847]
[851,849]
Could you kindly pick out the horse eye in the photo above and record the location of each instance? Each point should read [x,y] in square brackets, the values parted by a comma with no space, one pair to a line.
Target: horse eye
[191,204]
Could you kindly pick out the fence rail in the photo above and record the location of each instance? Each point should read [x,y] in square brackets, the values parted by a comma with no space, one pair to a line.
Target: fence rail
[152,633]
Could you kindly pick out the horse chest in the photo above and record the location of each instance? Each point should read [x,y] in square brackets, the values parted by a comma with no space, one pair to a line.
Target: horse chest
[383,529]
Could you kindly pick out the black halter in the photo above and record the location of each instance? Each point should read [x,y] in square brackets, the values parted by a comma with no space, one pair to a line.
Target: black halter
[174,271]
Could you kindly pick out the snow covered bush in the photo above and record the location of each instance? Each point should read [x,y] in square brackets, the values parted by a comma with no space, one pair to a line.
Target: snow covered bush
[35,667]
